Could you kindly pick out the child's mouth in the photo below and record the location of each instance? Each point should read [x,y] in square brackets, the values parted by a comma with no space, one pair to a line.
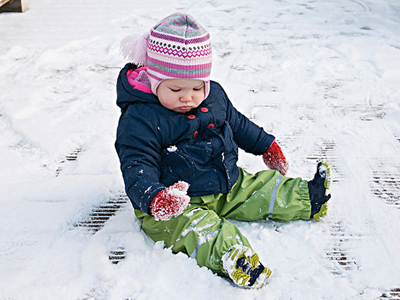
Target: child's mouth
[185,108]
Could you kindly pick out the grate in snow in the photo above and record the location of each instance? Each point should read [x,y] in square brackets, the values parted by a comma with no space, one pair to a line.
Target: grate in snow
[306,111]
[98,218]
[71,157]
[260,111]
[329,89]
[391,295]
[326,152]
[101,68]
[339,253]
[100,215]
[115,256]
[385,183]
[364,113]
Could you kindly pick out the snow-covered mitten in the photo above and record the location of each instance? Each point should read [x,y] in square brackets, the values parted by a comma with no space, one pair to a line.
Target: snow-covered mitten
[317,189]
[275,160]
[170,201]
[244,268]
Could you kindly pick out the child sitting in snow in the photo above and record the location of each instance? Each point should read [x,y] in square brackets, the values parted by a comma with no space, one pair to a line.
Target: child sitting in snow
[178,139]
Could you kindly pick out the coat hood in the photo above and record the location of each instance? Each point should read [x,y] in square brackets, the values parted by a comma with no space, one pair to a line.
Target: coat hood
[126,94]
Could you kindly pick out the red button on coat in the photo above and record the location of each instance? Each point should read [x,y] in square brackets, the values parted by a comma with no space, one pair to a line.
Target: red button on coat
[212,126]
[191,117]
[195,133]
[204,109]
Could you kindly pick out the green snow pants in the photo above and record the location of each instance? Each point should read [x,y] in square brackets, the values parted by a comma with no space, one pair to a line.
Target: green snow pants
[202,230]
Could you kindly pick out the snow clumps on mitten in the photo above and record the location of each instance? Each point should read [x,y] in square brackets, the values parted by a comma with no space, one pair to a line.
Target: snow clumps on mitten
[169,202]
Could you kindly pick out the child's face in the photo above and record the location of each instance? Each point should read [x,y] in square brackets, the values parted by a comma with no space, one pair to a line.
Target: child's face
[181,95]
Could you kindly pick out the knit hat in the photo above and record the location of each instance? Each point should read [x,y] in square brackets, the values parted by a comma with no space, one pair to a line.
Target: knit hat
[177,47]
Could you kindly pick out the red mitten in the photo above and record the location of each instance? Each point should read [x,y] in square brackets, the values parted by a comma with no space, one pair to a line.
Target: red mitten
[170,201]
[275,160]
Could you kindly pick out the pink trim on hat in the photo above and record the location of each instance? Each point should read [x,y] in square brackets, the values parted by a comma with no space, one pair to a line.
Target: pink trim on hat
[172,38]
[178,66]
[176,75]
[181,29]
[155,77]
[179,53]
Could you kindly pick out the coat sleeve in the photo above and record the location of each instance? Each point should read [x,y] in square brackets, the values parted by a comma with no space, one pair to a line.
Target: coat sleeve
[138,148]
[249,136]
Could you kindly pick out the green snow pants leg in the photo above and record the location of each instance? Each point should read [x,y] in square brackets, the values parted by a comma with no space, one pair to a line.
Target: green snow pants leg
[198,232]
[204,233]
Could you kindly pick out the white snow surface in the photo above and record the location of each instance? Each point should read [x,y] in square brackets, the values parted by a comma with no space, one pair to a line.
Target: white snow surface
[322,76]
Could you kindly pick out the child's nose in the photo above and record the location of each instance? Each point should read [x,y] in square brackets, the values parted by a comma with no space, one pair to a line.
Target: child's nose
[186,97]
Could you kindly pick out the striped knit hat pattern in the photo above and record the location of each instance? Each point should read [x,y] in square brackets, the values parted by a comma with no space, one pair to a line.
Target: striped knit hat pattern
[178,47]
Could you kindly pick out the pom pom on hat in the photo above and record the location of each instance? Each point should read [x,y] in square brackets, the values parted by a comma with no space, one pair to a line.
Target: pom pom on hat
[134,48]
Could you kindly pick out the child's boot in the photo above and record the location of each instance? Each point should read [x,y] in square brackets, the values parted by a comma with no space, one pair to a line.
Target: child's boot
[244,268]
[317,189]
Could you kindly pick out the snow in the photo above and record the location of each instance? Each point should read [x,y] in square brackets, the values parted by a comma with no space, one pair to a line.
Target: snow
[322,76]
[172,148]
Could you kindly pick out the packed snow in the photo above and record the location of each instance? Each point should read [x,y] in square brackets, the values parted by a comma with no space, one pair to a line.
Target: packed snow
[322,76]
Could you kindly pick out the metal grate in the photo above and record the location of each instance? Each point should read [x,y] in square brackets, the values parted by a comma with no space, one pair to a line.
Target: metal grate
[306,112]
[393,294]
[326,152]
[385,182]
[364,113]
[69,158]
[100,215]
[339,253]
[98,218]
[115,256]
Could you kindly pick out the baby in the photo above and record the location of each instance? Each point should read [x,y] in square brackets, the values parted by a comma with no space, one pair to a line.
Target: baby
[178,138]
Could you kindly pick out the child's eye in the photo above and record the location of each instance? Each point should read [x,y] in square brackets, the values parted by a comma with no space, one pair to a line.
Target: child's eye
[175,90]
[198,89]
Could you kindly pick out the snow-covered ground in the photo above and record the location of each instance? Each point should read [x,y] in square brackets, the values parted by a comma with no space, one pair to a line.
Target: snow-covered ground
[322,76]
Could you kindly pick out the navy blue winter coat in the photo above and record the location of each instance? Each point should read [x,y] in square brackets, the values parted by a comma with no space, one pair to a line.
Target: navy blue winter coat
[158,147]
